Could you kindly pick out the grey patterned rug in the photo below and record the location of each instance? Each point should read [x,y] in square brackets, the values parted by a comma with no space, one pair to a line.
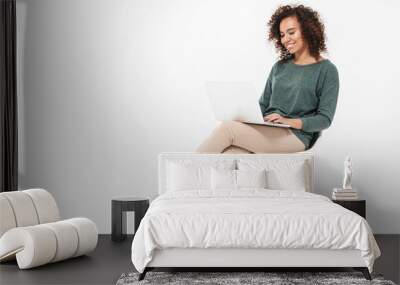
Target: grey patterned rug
[269,278]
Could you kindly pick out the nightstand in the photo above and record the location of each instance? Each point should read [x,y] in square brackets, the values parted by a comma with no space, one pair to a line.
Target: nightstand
[357,206]
[119,207]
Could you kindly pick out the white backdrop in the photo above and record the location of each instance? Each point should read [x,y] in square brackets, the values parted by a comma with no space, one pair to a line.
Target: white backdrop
[106,85]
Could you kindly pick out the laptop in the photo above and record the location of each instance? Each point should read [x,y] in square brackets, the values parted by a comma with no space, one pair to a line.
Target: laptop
[237,101]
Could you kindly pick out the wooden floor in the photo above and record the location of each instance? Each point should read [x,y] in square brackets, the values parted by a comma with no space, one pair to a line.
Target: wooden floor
[111,259]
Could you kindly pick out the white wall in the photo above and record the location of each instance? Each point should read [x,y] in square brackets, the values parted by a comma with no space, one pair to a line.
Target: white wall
[105,86]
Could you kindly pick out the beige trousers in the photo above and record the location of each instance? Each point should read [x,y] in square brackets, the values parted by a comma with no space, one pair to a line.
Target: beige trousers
[237,137]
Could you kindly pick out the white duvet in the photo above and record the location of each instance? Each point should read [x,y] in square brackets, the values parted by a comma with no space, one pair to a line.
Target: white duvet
[250,218]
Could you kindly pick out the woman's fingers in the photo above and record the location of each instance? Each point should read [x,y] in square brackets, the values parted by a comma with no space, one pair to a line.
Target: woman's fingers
[275,118]
[272,117]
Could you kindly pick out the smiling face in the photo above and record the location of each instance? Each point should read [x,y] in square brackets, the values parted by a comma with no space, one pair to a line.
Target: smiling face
[291,37]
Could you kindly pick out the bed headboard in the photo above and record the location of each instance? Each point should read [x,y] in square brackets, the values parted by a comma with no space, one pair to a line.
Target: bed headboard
[305,158]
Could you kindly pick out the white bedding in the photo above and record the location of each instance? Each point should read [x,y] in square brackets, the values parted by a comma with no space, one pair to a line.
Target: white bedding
[250,218]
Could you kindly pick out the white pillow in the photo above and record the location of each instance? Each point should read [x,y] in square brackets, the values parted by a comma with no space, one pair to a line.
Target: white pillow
[191,174]
[223,179]
[293,178]
[251,178]
[237,179]
[281,174]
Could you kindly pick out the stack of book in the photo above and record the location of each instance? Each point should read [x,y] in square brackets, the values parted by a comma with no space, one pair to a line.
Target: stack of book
[344,194]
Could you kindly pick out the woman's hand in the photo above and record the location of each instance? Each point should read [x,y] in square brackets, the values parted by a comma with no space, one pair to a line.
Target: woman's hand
[273,117]
[277,118]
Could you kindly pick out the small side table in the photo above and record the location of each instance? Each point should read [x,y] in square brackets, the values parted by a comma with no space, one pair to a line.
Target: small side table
[357,206]
[119,207]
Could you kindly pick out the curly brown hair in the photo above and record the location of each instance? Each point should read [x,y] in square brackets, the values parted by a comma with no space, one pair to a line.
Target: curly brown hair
[312,29]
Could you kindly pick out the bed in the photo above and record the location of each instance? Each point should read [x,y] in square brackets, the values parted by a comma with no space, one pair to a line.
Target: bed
[246,211]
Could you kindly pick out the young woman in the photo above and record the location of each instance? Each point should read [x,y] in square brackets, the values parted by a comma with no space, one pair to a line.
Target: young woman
[301,91]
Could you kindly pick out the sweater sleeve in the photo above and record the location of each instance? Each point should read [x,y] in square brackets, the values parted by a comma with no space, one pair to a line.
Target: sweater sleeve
[323,116]
[266,96]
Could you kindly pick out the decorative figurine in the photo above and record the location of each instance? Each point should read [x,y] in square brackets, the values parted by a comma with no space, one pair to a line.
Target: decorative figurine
[348,172]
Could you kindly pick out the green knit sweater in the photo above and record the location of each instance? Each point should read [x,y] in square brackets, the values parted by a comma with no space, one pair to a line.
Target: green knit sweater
[307,92]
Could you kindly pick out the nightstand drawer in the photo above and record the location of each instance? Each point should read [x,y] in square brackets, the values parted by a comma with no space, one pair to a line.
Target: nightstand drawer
[357,206]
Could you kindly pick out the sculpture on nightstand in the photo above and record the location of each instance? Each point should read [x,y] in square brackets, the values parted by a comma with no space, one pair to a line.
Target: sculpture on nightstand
[348,172]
